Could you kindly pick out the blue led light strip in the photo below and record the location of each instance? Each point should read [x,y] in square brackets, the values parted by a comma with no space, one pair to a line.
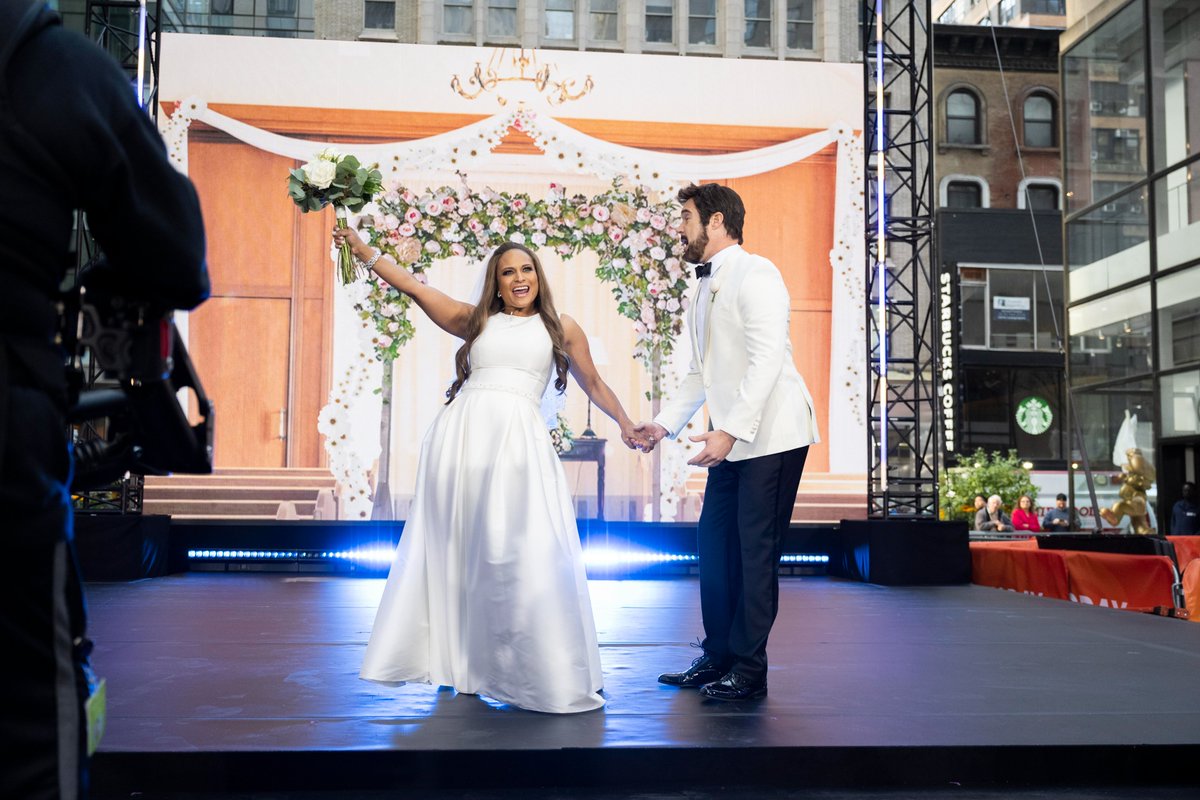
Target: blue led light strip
[382,556]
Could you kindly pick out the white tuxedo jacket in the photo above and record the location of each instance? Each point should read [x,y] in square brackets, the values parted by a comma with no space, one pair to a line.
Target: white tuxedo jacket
[744,370]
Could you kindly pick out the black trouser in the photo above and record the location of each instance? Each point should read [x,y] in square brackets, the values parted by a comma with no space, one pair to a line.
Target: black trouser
[43,733]
[747,509]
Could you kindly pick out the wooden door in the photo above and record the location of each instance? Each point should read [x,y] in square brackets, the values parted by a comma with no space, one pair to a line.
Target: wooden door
[261,342]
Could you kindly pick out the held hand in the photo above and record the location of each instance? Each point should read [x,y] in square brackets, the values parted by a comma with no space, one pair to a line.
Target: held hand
[635,439]
[651,434]
[717,445]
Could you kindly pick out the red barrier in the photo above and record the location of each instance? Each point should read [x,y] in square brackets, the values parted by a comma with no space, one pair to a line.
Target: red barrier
[1120,581]
[1020,568]
[1186,549]
[1110,580]
[1191,589]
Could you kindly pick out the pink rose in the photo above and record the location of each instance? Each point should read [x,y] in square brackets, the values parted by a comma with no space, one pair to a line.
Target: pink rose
[408,251]
[658,221]
[391,222]
[412,215]
[407,229]
[433,208]
[457,249]
[518,204]
[600,213]
[643,215]
[615,233]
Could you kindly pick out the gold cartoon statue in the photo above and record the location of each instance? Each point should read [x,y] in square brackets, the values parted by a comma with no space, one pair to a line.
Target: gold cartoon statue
[1136,477]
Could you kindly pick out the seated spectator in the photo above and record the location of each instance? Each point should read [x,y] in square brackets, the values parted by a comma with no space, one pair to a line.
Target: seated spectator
[980,502]
[1059,519]
[992,517]
[1185,514]
[1023,517]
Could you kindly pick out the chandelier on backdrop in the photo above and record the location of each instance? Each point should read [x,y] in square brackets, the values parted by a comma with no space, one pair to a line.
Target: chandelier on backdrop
[522,67]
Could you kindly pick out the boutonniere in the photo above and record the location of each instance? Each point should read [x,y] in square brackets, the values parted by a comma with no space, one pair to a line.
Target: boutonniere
[714,284]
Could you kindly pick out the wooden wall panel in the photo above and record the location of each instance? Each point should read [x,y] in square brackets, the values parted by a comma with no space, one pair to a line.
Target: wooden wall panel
[248,217]
[240,348]
[262,255]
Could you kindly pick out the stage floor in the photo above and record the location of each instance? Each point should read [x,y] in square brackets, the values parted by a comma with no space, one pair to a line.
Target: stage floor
[249,682]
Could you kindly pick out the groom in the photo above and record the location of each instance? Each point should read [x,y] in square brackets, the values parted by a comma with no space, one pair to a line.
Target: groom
[761,423]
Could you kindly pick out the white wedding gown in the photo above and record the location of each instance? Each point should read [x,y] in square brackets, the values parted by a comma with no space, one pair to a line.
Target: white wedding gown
[487,592]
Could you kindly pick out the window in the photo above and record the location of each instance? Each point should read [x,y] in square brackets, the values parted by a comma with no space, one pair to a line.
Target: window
[379,15]
[1040,194]
[758,23]
[458,17]
[1052,7]
[1008,10]
[604,20]
[800,24]
[1175,53]
[1104,80]
[502,18]
[964,194]
[222,6]
[1010,308]
[1039,121]
[281,8]
[660,21]
[702,21]
[1110,337]
[1042,198]
[1117,149]
[560,19]
[962,117]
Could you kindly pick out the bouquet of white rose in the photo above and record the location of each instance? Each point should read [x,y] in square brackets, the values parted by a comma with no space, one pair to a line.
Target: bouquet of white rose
[332,178]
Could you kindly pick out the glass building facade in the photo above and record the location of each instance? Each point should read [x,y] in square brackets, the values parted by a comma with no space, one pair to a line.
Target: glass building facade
[1131,139]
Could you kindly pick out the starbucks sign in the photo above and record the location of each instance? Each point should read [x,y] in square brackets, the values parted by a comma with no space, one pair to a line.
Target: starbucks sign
[1034,415]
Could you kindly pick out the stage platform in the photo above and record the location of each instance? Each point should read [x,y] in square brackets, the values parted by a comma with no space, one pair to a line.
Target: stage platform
[248,683]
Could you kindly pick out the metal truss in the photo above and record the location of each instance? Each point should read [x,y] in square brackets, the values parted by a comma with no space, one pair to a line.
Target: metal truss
[129,31]
[902,402]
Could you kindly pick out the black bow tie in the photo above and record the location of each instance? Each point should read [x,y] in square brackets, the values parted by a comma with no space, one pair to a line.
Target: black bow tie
[704,270]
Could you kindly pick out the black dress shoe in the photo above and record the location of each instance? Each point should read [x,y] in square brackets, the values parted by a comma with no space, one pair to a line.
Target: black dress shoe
[735,686]
[704,669]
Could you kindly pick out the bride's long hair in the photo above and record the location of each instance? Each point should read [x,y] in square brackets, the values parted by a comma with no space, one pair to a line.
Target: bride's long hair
[490,303]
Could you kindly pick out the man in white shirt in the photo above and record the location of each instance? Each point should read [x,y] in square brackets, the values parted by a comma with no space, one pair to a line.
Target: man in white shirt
[761,424]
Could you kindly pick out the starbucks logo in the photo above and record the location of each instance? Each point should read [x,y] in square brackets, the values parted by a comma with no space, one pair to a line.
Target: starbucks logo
[1034,415]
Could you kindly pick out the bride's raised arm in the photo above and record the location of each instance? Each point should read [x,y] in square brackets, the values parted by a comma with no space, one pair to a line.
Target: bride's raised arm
[447,313]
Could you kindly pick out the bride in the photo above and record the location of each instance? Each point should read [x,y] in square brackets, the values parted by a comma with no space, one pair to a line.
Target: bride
[487,591]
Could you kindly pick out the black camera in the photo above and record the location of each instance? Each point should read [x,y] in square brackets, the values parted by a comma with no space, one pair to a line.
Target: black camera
[134,349]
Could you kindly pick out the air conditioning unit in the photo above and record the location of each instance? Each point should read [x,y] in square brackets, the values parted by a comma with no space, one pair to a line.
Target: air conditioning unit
[1135,208]
[1120,133]
[1111,208]
[1097,106]
[1095,156]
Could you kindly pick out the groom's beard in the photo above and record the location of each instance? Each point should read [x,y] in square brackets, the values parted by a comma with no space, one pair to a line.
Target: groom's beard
[694,253]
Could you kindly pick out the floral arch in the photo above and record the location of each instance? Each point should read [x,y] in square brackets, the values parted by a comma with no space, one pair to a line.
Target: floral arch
[631,226]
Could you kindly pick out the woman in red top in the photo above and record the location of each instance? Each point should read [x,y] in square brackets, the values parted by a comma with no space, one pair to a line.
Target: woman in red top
[1023,517]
